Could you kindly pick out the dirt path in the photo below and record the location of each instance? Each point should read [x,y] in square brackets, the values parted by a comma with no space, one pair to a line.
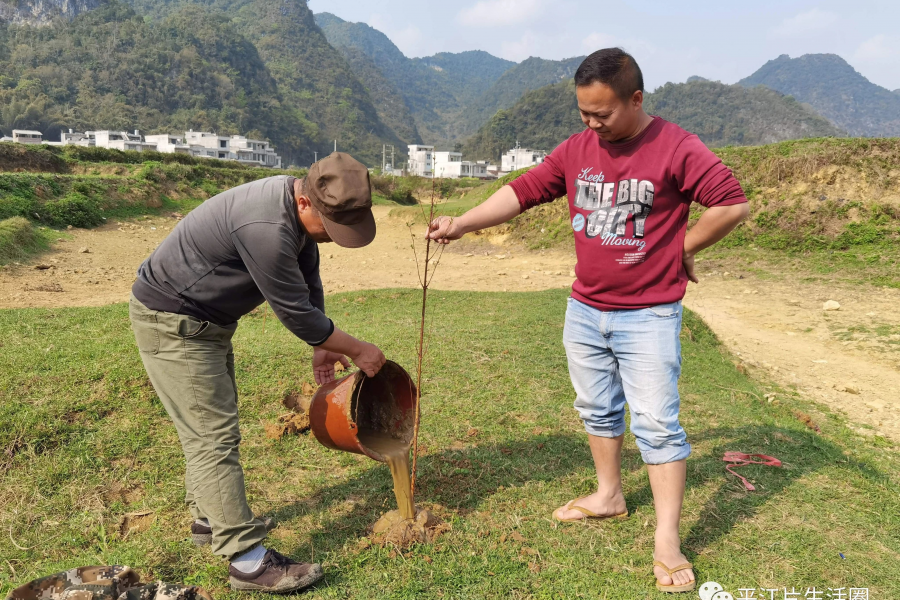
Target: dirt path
[849,359]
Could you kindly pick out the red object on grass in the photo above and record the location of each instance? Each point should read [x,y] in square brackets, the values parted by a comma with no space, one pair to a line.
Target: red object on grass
[740,459]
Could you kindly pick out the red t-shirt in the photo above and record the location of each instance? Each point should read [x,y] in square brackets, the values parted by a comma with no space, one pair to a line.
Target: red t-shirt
[628,204]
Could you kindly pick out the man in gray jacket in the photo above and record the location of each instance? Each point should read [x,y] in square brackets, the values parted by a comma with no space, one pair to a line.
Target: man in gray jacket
[254,243]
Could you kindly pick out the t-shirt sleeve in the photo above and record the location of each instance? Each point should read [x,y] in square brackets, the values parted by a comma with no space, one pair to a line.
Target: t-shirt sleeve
[702,177]
[270,253]
[544,183]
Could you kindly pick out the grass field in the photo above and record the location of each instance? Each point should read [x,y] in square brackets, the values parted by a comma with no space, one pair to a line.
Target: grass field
[83,440]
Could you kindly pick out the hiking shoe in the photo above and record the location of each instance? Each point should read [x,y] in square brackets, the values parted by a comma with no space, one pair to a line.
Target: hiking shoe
[202,534]
[278,574]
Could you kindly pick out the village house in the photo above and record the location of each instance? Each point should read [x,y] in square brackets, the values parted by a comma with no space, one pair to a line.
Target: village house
[172,144]
[423,161]
[25,136]
[120,140]
[520,158]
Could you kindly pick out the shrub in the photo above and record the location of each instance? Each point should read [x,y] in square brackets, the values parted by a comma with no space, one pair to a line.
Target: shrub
[73,209]
[18,239]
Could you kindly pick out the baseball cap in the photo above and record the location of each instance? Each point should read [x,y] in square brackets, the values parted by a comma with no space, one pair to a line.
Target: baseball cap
[339,189]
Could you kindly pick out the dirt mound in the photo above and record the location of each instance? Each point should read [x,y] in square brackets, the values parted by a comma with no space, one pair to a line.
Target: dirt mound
[392,528]
[294,422]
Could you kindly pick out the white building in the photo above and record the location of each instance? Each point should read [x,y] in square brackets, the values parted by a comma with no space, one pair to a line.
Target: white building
[172,144]
[421,161]
[74,138]
[480,170]
[254,151]
[120,140]
[519,158]
[213,145]
[257,153]
[25,136]
[452,166]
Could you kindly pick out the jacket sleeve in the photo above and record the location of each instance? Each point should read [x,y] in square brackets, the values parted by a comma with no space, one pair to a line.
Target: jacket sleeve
[701,176]
[270,252]
[309,266]
[544,183]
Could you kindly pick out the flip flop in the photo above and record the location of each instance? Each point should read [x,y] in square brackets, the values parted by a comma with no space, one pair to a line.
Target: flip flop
[587,514]
[685,587]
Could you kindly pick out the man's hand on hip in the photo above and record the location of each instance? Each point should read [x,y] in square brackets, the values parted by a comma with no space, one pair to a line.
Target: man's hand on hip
[323,365]
[688,261]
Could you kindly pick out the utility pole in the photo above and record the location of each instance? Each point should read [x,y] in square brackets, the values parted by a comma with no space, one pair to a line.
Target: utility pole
[316,154]
[392,161]
[335,145]
[383,148]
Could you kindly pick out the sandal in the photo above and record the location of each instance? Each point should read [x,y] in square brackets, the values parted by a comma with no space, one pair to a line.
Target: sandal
[587,514]
[685,587]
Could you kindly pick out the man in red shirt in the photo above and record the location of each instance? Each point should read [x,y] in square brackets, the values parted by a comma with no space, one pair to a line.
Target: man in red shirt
[630,179]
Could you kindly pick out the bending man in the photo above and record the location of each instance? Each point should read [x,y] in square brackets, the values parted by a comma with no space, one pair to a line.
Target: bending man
[254,243]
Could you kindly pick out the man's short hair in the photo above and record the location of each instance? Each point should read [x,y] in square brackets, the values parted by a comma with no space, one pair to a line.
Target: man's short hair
[613,67]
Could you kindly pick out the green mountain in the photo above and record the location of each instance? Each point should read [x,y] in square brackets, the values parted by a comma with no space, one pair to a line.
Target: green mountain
[721,115]
[389,103]
[449,95]
[835,90]
[435,89]
[264,69]
[315,80]
[530,74]
[191,70]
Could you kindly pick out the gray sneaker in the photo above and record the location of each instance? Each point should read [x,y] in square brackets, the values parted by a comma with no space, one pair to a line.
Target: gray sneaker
[202,534]
[278,574]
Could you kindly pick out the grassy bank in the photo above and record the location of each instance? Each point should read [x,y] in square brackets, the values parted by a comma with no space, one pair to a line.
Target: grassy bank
[82,187]
[834,203]
[19,240]
[83,441]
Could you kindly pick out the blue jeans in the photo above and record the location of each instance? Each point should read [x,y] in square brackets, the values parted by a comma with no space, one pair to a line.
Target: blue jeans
[628,355]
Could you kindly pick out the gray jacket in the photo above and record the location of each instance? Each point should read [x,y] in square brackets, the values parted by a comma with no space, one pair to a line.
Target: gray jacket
[234,251]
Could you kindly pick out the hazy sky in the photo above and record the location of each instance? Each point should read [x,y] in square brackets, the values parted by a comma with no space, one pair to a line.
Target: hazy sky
[671,40]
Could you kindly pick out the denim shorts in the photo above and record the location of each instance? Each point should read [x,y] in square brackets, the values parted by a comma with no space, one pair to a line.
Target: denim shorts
[632,356]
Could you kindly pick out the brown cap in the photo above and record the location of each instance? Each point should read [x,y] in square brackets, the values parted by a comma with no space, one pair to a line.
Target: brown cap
[339,189]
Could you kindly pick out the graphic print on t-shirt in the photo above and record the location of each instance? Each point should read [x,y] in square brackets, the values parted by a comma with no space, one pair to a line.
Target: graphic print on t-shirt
[611,205]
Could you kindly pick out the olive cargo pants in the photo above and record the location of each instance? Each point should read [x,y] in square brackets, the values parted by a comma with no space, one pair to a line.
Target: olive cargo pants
[191,366]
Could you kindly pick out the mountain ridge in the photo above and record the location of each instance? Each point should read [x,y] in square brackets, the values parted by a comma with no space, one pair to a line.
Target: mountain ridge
[835,90]
[719,114]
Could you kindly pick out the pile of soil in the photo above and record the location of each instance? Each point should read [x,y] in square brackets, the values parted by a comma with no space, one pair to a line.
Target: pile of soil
[296,421]
[397,531]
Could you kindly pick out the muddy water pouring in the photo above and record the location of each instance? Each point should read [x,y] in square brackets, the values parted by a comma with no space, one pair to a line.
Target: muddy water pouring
[374,416]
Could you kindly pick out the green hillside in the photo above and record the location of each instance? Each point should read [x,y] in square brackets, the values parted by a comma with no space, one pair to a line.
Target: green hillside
[314,78]
[193,69]
[435,89]
[388,101]
[835,90]
[530,74]
[449,95]
[730,115]
[721,115]
[263,68]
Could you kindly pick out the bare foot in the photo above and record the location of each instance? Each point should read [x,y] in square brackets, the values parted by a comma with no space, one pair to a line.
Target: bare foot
[602,504]
[671,556]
